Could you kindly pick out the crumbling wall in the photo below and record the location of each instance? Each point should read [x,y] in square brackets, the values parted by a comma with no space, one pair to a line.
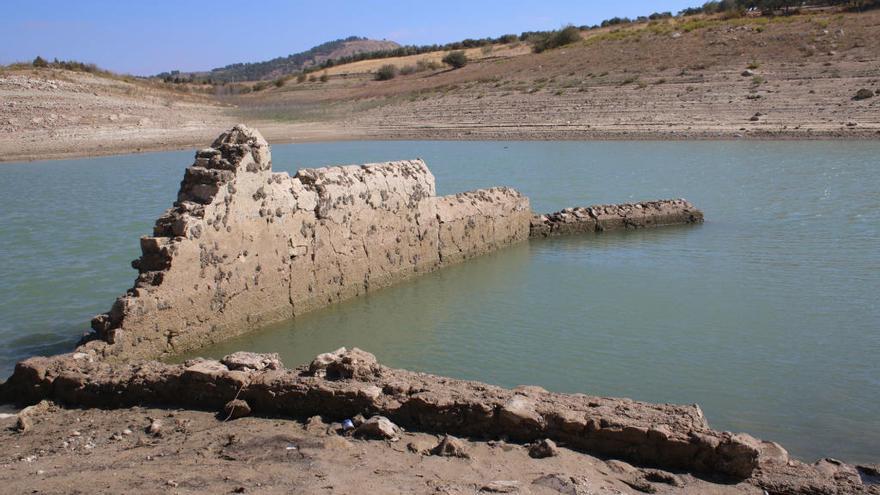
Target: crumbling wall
[243,246]
[345,383]
[603,218]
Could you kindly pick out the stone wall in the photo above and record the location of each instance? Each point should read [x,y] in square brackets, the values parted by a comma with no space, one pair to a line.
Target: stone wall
[603,218]
[243,246]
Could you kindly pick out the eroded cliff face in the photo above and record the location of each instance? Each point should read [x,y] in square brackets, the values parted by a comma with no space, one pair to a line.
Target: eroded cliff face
[244,246]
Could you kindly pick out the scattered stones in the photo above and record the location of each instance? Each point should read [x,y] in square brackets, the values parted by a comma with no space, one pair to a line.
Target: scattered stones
[237,408]
[378,428]
[450,446]
[252,361]
[543,448]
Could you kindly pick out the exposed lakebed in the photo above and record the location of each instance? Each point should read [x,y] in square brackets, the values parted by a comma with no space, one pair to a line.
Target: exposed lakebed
[766,316]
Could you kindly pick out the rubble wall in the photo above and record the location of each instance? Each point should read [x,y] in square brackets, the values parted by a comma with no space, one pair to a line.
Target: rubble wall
[604,218]
[244,246]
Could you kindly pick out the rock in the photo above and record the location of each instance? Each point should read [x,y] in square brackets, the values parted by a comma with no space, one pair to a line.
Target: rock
[520,411]
[252,361]
[543,448]
[748,73]
[154,428]
[657,476]
[378,428]
[500,486]
[558,483]
[23,424]
[640,484]
[450,446]
[345,364]
[863,94]
[237,408]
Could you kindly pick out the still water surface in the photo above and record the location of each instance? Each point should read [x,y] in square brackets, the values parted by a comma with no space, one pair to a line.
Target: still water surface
[767,315]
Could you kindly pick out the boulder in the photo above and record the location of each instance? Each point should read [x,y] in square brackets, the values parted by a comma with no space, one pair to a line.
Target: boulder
[543,448]
[378,428]
[450,446]
[520,411]
[346,364]
[237,408]
[863,94]
[252,361]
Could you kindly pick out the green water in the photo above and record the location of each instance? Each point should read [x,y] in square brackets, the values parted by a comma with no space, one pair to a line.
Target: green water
[767,315]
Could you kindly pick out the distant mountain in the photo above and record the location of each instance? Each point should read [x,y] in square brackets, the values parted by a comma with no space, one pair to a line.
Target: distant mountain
[271,69]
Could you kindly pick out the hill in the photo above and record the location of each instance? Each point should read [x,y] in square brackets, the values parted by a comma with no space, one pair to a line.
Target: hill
[281,66]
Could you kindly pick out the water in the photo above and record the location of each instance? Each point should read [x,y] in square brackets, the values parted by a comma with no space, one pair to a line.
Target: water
[767,315]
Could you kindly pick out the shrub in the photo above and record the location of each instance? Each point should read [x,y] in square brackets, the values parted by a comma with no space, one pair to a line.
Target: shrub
[386,72]
[260,86]
[427,65]
[325,77]
[456,59]
[508,38]
[487,49]
[313,78]
[280,82]
[301,77]
[556,39]
[754,65]
[407,70]
[40,62]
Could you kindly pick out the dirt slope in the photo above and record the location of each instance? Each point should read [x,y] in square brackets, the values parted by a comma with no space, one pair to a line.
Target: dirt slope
[689,78]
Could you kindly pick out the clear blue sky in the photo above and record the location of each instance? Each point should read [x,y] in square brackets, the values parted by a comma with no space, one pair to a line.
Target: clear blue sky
[145,37]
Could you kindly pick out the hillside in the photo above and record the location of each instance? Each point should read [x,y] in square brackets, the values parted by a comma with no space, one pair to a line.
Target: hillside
[281,66]
[690,77]
[697,77]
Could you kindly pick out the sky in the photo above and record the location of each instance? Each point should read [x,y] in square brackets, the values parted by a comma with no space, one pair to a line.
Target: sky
[150,36]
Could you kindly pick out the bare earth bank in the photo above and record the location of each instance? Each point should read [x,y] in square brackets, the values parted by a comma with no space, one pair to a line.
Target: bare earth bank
[99,451]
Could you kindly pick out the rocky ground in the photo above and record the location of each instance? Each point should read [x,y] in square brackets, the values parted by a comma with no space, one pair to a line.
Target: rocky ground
[74,451]
[54,114]
[753,78]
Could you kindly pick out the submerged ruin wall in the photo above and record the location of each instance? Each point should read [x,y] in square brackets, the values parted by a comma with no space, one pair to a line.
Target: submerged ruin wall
[244,246]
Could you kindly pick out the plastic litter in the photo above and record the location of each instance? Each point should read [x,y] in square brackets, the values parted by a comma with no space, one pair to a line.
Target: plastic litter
[347,425]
